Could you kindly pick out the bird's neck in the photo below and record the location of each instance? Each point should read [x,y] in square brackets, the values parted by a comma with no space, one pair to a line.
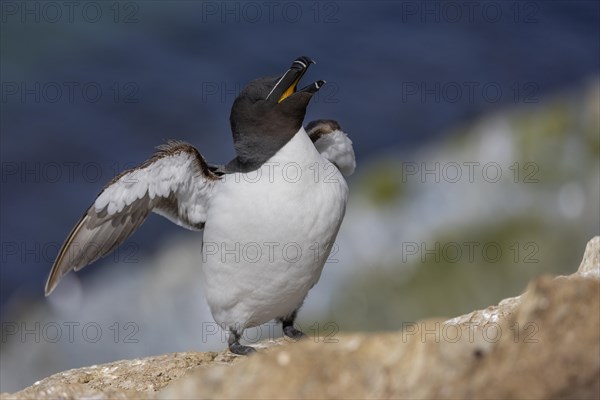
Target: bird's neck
[254,149]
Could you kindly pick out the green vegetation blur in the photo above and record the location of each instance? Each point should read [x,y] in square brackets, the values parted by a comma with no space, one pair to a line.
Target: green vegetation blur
[535,220]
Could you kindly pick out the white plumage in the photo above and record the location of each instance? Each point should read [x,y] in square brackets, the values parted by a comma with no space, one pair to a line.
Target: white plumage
[337,148]
[174,174]
[269,233]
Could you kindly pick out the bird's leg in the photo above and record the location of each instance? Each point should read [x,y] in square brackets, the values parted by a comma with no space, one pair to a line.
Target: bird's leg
[235,346]
[287,324]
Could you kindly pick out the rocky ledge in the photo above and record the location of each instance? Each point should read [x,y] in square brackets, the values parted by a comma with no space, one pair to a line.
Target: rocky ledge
[544,343]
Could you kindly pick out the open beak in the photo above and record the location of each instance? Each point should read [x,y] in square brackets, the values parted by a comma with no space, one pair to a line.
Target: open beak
[287,84]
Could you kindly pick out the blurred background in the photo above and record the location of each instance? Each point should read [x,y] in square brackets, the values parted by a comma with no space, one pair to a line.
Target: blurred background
[475,126]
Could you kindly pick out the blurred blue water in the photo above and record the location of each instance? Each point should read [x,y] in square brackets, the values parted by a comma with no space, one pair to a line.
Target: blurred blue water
[171,70]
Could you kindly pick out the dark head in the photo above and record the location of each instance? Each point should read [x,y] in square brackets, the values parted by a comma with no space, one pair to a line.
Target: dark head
[268,112]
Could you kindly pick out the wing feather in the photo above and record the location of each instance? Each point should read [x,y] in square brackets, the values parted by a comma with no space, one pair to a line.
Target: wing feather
[175,183]
[333,144]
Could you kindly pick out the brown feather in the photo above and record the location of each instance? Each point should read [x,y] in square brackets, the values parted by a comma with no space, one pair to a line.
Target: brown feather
[98,233]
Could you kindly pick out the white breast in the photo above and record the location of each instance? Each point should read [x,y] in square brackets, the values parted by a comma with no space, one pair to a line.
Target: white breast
[269,233]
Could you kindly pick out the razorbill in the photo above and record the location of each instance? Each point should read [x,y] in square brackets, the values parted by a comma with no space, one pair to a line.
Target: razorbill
[269,217]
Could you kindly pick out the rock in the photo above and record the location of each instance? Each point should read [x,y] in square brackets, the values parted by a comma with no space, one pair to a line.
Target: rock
[542,344]
[590,265]
[127,378]
[551,348]
[479,319]
[121,379]
[548,347]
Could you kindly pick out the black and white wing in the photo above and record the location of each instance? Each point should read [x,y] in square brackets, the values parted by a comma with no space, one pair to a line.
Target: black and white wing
[333,144]
[175,182]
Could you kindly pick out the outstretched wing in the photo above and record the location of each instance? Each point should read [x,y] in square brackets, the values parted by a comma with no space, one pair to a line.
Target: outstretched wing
[333,144]
[175,182]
